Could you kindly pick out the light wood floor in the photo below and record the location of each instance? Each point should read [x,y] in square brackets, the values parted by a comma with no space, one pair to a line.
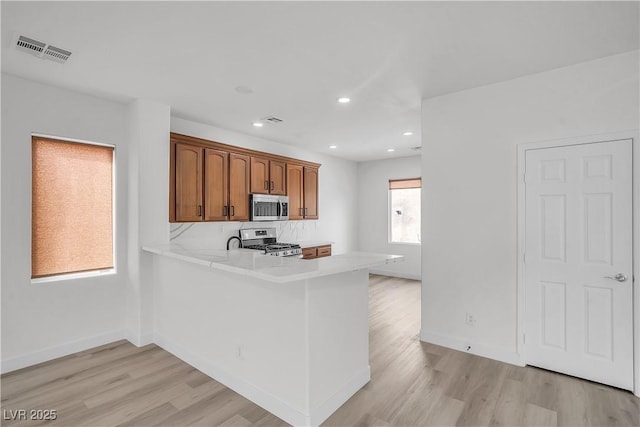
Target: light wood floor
[412,384]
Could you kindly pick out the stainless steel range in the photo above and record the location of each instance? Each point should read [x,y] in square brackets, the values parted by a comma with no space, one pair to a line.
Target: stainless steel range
[265,239]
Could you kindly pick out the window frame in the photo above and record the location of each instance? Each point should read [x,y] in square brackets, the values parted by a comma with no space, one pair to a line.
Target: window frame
[114,236]
[390,216]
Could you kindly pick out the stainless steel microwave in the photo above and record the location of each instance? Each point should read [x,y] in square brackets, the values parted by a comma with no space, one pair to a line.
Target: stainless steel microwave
[266,207]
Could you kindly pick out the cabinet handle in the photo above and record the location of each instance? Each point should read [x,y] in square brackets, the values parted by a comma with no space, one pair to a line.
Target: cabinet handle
[199,210]
[266,185]
[301,211]
[225,210]
[233,211]
[272,185]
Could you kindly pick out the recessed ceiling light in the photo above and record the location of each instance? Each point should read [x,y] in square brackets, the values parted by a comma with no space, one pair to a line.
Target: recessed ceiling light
[344,100]
[407,133]
[258,124]
[333,146]
[391,150]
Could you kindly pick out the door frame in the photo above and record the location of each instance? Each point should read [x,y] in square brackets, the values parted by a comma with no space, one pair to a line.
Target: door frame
[522,149]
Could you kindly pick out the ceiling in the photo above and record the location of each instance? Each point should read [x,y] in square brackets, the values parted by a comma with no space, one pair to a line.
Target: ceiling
[297,58]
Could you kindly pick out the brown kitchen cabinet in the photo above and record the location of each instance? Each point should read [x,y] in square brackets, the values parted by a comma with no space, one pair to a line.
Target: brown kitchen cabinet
[302,189]
[216,184]
[295,191]
[239,169]
[188,182]
[268,176]
[278,175]
[310,192]
[208,185]
[316,252]
[211,181]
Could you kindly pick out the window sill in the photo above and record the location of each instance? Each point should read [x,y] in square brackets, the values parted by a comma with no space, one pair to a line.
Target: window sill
[406,243]
[73,276]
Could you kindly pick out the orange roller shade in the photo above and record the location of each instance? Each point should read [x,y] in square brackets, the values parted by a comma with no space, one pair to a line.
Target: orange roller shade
[72,207]
[395,184]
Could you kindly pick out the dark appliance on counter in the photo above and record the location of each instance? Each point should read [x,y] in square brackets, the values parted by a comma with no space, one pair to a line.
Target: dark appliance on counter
[267,207]
[265,239]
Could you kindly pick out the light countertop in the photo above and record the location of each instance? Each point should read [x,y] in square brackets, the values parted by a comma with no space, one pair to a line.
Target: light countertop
[271,268]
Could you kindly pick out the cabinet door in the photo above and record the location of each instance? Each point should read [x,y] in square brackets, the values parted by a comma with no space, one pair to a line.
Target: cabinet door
[216,178]
[188,183]
[324,251]
[239,166]
[295,191]
[277,177]
[260,175]
[309,253]
[310,192]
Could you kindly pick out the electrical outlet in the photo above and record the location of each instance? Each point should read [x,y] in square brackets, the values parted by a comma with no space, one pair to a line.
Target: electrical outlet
[470,319]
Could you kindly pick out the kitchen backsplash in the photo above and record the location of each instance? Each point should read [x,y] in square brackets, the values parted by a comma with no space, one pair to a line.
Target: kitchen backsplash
[215,234]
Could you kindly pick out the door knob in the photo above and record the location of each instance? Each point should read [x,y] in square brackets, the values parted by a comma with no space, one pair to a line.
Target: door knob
[619,277]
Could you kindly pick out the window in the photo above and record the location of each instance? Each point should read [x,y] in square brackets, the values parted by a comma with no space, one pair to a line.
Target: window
[71,208]
[404,206]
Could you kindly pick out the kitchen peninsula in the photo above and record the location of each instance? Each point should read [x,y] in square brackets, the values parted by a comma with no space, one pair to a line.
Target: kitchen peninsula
[290,335]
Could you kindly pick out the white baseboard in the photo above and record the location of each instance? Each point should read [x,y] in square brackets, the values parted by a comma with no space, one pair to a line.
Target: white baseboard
[258,396]
[479,349]
[139,340]
[399,274]
[57,351]
[324,411]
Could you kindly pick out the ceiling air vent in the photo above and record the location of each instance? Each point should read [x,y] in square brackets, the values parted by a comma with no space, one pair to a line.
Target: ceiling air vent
[56,54]
[42,50]
[272,119]
[31,46]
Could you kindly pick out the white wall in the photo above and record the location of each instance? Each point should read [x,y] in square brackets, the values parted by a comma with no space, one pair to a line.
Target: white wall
[373,216]
[337,197]
[469,207]
[43,321]
[148,210]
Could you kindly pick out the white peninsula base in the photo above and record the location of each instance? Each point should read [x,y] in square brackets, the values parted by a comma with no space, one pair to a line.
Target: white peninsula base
[299,349]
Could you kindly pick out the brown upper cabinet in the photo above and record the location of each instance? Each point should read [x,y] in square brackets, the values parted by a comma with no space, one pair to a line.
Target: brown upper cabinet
[239,166]
[216,185]
[226,186]
[310,192]
[208,184]
[295,191]
[188,182]
[268,176]
[302,188]
[210,181]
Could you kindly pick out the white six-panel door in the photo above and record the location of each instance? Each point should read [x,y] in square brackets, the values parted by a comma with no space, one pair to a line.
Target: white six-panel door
[578,261]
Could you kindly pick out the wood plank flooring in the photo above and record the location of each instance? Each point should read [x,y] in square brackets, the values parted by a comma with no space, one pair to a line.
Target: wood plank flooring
[412,384]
